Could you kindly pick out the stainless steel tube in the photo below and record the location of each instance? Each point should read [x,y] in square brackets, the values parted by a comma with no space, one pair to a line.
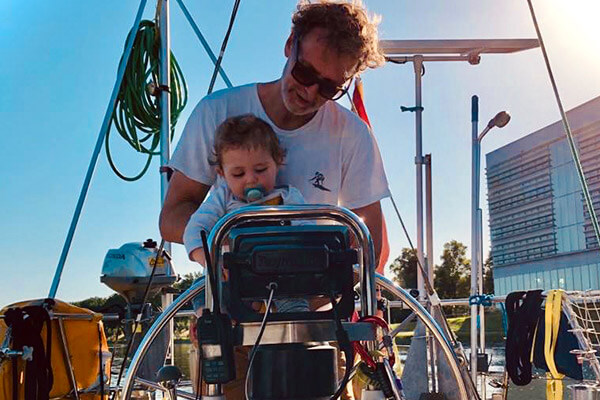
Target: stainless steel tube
[475,148]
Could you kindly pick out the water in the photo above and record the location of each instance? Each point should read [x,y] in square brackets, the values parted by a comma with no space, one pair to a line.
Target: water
[182,358]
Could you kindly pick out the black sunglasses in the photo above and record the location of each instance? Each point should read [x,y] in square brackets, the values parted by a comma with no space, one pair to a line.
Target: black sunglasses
[306,76]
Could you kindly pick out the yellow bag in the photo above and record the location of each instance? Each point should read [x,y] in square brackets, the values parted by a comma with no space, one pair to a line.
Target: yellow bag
[87,346]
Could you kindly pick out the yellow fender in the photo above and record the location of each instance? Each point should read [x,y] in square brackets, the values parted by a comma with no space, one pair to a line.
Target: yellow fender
[86,342]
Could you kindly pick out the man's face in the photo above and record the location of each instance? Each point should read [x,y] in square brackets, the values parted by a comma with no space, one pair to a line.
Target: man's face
[323,63]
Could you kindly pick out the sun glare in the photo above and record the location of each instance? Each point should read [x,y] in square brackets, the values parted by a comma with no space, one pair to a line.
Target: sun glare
[572,32]
[577,21]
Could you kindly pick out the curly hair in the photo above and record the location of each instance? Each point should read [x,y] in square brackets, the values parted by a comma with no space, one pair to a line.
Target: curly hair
[246,131]
[350,30]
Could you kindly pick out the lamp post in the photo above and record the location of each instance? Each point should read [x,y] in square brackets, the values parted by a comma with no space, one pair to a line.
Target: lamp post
[500,120]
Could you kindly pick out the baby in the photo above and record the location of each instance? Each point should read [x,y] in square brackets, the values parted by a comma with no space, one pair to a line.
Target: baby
[246,155]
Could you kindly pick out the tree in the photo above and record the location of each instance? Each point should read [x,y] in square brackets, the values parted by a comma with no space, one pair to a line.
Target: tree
[404,268]
[488,275]
[452,277]
[112,303]
[186,281]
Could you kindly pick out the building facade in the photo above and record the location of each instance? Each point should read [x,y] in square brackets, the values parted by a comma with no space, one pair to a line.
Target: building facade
[540,229]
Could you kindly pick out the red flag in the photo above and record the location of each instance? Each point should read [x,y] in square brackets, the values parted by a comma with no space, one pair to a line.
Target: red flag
[357,99]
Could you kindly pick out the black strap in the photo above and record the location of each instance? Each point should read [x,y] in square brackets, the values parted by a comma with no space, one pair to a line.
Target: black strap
[26,325]
[38,376]
[523,310]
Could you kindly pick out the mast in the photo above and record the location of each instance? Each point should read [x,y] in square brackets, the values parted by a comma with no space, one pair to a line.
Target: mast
[165,137]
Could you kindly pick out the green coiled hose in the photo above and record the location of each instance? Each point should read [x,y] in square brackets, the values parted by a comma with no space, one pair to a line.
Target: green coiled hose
[137,115]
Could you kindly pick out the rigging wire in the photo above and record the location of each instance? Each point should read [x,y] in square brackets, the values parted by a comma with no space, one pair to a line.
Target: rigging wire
[223,46]
[430,290]
[138,102]
[570,138]
[203,41]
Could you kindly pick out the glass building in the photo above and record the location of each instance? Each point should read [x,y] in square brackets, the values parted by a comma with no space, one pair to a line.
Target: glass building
[540,229]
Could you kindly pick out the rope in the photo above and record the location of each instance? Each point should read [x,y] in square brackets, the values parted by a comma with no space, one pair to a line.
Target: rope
[481,300]
[138,102]
[484,300]
[554,386]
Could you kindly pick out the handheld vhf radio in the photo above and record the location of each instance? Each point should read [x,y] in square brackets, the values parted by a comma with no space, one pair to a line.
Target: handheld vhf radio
[215,334]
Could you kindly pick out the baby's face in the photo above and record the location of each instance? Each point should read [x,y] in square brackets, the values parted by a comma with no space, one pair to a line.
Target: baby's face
[247,168]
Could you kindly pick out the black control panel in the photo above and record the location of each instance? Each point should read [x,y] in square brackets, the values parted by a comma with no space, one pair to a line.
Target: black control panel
[304,261]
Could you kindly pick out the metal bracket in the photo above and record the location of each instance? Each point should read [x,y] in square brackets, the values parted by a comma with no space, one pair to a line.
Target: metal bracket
[474,57]
[26,354]
[419,160]
[411,109]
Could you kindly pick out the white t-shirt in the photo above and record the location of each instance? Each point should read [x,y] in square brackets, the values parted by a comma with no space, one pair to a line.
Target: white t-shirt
[222,201]
[332,159]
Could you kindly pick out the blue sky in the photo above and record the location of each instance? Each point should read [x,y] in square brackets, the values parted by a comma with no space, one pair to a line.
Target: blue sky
[59,62]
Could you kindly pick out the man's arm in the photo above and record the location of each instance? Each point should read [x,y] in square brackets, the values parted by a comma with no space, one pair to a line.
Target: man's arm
[373,218]
[183,198]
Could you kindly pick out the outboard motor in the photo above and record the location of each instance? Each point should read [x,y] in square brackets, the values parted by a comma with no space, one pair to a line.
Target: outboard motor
[128,271]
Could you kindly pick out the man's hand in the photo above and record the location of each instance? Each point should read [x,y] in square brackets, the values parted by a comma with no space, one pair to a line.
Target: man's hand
[373,218]
[183,198]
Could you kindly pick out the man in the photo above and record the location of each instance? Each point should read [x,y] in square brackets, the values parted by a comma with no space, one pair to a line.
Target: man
[332,156]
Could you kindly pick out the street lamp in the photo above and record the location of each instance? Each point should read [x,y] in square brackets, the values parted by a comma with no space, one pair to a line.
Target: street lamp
[500,120]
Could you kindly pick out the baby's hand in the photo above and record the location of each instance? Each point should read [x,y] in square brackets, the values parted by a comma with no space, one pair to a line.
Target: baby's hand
[198,256]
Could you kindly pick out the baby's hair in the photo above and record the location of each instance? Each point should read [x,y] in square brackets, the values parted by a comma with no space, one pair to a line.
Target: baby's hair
[248,132]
